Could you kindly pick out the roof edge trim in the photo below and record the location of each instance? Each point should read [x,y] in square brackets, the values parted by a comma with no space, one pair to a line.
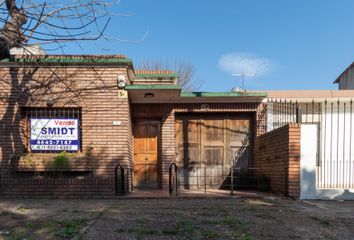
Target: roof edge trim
[224,94]
[152,86]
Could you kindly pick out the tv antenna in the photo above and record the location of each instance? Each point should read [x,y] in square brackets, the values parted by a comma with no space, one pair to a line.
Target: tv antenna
[243,76]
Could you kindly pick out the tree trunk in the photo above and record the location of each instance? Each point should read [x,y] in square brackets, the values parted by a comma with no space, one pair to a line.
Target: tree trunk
[11,34]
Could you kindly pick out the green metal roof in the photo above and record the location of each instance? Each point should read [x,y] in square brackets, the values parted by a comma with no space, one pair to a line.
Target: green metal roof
[152,86]
[224,94]
[194,94]
[171,75]
[66,60]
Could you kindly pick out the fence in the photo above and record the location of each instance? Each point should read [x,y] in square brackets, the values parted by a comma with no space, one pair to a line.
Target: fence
[215,177]
[336,165]
[282,112]
[334,118]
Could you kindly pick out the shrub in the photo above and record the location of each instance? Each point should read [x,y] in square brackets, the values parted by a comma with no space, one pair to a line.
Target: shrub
[61,163]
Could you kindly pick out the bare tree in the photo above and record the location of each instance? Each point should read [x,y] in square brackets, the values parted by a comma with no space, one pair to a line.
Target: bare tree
[28,22]
[189,80]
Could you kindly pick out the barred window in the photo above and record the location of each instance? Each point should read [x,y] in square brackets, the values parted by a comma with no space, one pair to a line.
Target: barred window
[53,129]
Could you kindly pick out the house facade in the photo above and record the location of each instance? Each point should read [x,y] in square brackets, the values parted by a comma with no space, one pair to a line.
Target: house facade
[106,115]
[122,129]
[346,79]
[325,138]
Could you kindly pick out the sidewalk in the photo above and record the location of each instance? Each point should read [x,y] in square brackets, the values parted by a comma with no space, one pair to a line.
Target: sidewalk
[190,193]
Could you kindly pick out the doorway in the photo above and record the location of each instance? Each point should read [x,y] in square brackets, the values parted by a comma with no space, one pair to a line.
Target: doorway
[208,145]
[147,166]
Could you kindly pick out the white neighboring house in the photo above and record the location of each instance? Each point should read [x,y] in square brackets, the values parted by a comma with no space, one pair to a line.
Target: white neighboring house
[28,50]
[327,138]
[346,78]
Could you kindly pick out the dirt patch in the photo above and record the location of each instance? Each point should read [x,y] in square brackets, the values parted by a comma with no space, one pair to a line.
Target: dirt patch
[172,219]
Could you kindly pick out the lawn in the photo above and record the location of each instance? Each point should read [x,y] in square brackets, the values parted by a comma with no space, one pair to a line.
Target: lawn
[227,218]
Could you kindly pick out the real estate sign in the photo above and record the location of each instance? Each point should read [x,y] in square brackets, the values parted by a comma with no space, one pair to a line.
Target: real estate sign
[54,134]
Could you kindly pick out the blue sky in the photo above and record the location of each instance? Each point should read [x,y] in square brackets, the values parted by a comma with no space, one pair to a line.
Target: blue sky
[289,44]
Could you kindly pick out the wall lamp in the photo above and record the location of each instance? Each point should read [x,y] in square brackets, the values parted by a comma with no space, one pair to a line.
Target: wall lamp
[121,81]
[148,95]
[50,102]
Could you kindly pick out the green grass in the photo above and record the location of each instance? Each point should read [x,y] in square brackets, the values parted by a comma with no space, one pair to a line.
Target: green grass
[186,226]
[199,228]
[61,229]
[210,234]
[233,222]
[30,225]
[69,228]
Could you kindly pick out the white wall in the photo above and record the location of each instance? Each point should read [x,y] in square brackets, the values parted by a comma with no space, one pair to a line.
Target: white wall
[309,171]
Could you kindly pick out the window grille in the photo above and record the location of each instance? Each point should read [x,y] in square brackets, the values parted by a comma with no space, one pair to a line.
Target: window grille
[59,113]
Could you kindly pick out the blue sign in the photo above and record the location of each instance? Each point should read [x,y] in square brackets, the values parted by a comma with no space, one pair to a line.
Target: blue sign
[54,134]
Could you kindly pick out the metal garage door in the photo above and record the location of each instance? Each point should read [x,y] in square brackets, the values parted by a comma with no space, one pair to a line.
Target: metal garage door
[207,145]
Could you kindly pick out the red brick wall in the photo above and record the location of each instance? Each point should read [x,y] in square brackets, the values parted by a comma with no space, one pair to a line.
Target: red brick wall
[93,88]
[277,157]
[58,188]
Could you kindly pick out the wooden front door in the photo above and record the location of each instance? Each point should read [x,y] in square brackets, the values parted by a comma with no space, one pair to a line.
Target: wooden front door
[207,145]
[146,154]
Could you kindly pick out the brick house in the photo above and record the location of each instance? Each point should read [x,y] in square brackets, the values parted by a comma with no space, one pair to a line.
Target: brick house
[123,128]
[137,125]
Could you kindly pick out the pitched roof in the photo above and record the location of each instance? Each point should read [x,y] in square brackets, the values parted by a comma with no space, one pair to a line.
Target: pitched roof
[344,72]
